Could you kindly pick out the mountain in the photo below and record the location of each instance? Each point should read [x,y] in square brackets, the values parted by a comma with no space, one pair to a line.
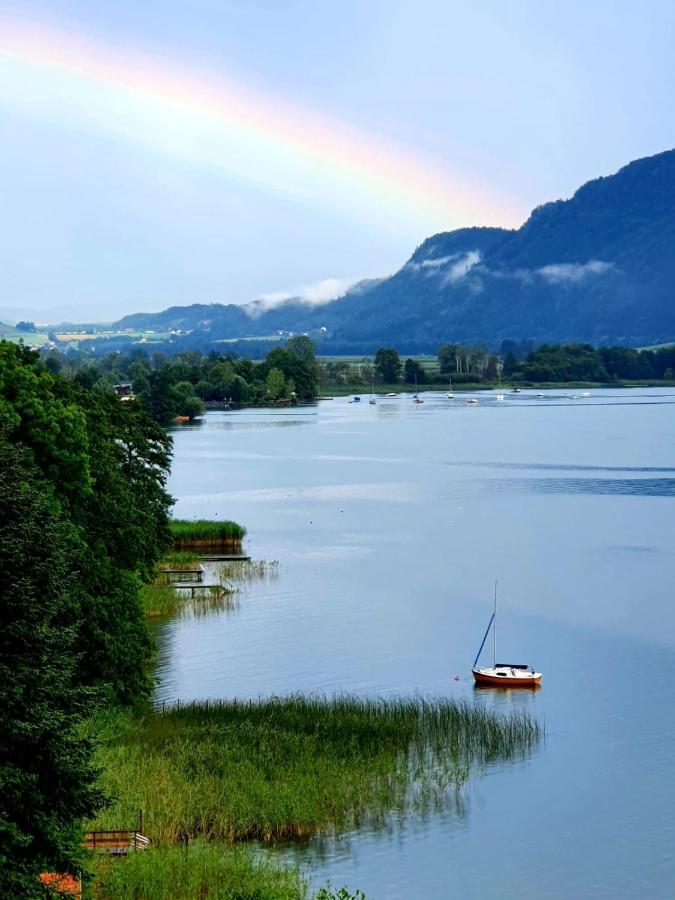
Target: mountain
[599,267]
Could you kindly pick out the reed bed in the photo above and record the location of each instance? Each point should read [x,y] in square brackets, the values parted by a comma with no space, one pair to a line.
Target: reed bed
[159,599]
[162,599]
[204,533]
[200,870]
[296,767]
[249,570]
[180,559]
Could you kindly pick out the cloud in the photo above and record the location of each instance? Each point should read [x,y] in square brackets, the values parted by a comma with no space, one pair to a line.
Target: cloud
[315,294]
[457,265]
[462,266]
[572,273]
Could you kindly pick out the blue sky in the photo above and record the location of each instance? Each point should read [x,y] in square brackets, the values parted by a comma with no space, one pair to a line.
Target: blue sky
[524,101]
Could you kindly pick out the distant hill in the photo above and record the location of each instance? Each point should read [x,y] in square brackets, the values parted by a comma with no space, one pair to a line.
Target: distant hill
[599,267]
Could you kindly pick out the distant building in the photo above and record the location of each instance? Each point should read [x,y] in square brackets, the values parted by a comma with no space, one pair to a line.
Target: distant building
[124,391]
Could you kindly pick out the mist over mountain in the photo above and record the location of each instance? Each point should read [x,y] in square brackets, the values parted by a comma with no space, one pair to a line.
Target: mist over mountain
[599,267]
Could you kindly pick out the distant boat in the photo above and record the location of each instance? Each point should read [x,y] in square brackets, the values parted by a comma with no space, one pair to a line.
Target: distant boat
[415,398]
[507,675]
[541,396]
[372,401]
[391,394]
[585,393]
[515,390]
[355,400]
[450,394]
[500,396]
[471,400]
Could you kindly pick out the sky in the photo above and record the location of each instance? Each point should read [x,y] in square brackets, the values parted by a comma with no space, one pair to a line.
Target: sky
[165,153]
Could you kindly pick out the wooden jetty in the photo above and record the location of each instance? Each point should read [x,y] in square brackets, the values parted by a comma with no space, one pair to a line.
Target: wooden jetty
[117,842]
[208,590]
[184,573]
[225,557]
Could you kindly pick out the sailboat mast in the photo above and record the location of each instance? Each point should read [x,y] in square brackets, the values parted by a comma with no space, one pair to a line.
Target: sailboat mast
[494,631]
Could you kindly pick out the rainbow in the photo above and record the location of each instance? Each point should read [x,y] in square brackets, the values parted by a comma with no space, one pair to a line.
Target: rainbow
[202,118]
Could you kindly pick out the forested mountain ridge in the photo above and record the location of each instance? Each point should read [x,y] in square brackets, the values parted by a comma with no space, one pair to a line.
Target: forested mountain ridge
[599,267]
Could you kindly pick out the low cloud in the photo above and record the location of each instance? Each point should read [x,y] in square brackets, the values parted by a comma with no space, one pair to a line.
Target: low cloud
[462,266]
[572,273]
[315,294]
[454,266]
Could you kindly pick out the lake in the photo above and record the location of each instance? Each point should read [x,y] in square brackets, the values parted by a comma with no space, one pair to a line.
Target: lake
[390,524]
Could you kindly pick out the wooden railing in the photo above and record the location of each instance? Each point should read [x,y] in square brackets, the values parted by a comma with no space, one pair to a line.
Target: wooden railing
[119,841]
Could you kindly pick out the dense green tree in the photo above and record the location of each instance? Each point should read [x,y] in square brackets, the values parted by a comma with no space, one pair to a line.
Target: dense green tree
[275,383]
[414,372]
[46,773]
[303,347]
[108,463]
[388,365]
[492,369]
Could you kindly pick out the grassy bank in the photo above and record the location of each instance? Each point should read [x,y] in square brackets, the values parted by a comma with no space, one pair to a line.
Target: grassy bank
[203,533]
[201,870]
[294,767]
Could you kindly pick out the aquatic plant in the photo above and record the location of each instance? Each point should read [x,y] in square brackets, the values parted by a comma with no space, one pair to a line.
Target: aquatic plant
[248,570]
[295,767]
[159,599]
[206,533]
[179,559]
[201,869]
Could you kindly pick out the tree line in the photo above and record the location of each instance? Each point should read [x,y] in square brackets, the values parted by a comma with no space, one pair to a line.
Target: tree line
[83,520]
[517,362]
[179,385]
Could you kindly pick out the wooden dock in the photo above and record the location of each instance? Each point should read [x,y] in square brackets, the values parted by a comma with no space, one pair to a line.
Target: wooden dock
[186,573]
[208,590]
[118,842]
[225,557]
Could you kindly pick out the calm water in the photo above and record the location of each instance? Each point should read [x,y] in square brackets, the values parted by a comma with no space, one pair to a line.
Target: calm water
[390,524]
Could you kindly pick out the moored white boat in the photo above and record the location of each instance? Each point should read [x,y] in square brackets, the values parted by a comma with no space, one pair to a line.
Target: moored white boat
[507,675]
[502,674]
[471,400]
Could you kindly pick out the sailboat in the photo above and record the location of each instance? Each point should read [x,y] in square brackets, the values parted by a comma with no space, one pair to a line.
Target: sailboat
[416,398]
[450,394]
[372,400]
[500,396]
[502,674]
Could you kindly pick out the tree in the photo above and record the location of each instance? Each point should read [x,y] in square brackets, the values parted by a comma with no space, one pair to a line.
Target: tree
[108,463]
[275,383]
[414,373]
[46,773]
[26,327]
[186,401]
[388,365]
[492,369]
[303,347]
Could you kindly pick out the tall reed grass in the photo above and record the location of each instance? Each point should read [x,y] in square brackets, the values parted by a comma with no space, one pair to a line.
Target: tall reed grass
[200,870]
[295,767]
[203,533]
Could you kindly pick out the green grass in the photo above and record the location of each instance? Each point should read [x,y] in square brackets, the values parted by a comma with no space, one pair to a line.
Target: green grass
[200,870]
[180,559]
[202,533]
[159,600]
[294,767]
